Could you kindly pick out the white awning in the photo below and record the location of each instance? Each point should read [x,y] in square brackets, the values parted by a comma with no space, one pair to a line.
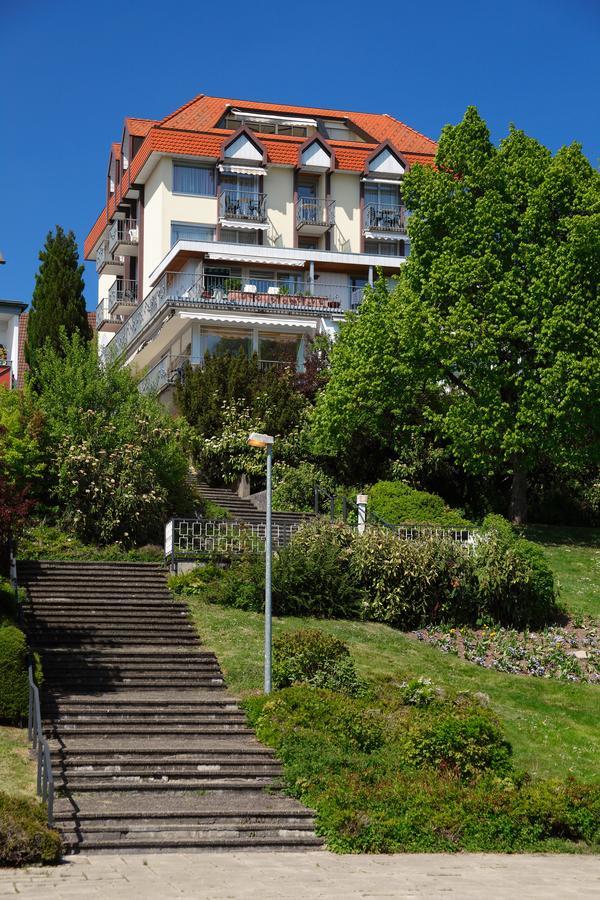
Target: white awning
[370,180]
[259,260]
[273,323]
[383,236]
[244,226]
[264,117]
[241,170]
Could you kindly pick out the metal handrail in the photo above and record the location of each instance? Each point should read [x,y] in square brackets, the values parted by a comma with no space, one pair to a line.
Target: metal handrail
[125,291]
[35,733]
[315,211]
[123,231]
[385,217]
[243,205]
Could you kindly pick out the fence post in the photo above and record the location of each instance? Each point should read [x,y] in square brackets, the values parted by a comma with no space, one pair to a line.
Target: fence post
[316,500]
[332,508]
[361,503]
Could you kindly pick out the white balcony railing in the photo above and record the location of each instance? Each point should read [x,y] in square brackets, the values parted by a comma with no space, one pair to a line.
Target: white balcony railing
[188,291]
[105,261]
[124,292]
[170,370]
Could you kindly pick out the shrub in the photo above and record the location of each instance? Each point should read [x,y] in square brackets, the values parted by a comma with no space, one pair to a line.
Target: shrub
[241,584]
[25,838]
[397,504]
[410,583]
[515,582]
[14,687]
[293,486]
[465,746]
[316,658]
[43,541]
[311,575]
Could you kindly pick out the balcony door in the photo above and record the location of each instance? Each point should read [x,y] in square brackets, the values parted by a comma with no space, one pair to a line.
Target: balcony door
[308,200]
[240,196]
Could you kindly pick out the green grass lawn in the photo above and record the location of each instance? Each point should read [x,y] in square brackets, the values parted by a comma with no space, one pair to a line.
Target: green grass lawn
[17,770]
[554,727]
[574,554]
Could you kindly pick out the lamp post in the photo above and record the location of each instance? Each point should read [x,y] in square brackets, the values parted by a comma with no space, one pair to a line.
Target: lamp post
[265,441]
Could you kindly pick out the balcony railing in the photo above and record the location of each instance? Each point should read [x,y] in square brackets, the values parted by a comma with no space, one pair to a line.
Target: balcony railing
[243,206]
[123,293]
[189,291]
[170,370]
[105,317]
[385,218]
[123,231]
[315,212]
[106,262]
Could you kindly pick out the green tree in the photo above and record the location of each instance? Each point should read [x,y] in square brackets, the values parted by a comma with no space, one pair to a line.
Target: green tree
[116,460]
[497,306]
[58,300]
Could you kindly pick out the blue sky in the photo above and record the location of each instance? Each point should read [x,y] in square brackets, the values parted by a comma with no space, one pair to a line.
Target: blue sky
[70,72]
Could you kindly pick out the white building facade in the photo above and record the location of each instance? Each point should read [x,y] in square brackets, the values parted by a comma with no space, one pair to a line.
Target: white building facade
[233,226]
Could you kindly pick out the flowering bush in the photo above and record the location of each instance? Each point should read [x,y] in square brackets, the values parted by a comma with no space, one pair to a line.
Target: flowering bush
[116,460]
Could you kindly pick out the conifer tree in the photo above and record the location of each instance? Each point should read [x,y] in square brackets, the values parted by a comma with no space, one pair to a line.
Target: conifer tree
[58,301]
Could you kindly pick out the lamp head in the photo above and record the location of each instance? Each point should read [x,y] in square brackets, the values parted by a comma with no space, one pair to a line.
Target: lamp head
[260,440]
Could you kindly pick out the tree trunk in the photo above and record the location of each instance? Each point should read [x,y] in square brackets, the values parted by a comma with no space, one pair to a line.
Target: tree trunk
[518,495]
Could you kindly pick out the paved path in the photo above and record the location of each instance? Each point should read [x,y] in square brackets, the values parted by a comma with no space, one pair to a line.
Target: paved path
[275,876]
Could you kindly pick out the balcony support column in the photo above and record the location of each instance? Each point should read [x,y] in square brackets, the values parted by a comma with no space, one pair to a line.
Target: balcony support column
[197,343]
[370,277]
[311,275]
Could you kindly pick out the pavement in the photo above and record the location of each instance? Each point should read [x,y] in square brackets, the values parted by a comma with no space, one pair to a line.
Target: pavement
[274,876]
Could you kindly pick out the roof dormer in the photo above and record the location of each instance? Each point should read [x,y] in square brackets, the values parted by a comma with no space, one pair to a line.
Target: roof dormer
[244,147]
[385,162]
[315,155]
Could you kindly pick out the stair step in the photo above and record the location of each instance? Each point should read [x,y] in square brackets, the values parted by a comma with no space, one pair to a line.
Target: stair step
[198,784]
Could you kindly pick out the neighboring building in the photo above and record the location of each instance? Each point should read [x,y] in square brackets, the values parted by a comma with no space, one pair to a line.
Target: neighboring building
[10,311]
[22,365]
[235,225]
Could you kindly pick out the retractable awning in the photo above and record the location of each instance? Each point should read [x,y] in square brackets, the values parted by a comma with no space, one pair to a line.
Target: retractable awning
[258,260]
[241,170]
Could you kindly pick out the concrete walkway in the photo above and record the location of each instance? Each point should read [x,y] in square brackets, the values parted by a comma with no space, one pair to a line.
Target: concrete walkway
[274,876]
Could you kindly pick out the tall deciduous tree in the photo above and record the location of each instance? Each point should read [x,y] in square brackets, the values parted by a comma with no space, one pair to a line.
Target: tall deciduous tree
[502,283]
[58,301]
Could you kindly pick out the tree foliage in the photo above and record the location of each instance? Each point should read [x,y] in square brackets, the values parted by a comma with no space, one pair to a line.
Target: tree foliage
[58,300]
[490,340]
[116,460]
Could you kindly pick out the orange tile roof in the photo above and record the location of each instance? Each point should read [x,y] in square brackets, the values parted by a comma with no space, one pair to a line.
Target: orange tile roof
[192,130]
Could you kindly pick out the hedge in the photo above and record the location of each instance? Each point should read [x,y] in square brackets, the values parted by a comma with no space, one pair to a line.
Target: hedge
[25,838]
[14,689]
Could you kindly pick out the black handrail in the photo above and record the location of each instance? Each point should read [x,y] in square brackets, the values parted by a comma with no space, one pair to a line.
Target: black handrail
[35,733]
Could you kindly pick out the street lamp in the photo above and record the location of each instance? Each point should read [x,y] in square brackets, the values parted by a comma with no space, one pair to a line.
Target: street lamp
[265,441]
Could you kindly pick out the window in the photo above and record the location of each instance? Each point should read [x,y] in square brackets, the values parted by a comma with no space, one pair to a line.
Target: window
[382,194]
[278,350]
[339,131]
[197,180]
[268,126]
[385,248]
[228,343]
[239,237]
[308,243]
[184,231]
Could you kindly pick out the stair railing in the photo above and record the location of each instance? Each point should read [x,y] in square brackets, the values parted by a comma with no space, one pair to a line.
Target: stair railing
[35,733]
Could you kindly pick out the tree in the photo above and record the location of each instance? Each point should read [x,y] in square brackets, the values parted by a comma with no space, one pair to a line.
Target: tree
[116,461]
[58,300]
[505,256]
[497,307]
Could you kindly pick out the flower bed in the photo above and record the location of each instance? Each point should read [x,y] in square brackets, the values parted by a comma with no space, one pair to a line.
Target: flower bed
[571,653]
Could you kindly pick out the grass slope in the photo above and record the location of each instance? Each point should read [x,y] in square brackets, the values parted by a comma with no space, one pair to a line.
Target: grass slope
[553,726]
[574,555]
[17,769]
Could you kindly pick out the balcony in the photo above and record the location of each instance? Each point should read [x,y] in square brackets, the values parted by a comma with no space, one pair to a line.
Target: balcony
[314,215]
[243,206]
[387,219]
[105,319]
[106,263]
[169,371]
[123,237]
[183,290]
[123,296]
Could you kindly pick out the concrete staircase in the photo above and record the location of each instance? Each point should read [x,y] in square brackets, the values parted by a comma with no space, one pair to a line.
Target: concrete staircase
[149,751]
[242,510]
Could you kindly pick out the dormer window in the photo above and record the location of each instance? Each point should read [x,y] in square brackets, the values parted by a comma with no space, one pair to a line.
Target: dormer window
[340,131]
[269,124]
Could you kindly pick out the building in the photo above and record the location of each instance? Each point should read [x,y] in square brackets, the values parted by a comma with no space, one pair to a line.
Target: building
[10,312]
[22,366]
[234,225]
